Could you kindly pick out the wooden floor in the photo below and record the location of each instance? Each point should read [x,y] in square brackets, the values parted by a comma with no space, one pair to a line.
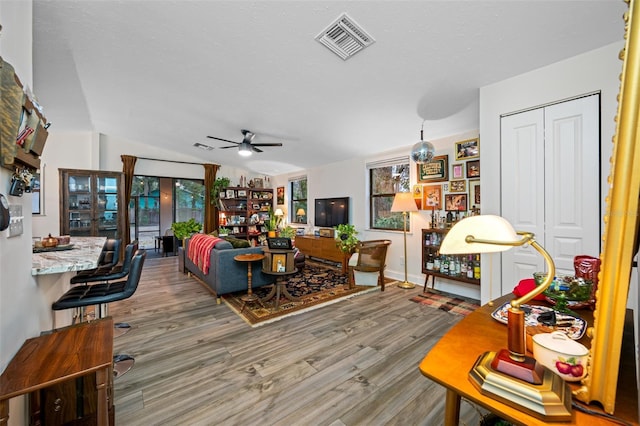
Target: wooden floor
[351,363]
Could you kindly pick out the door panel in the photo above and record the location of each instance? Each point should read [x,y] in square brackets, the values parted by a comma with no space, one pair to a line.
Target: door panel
[550,184]
[523,191]
[572,184]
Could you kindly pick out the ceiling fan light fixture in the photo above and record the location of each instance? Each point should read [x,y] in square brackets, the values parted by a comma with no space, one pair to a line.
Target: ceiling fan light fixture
[244,149]
[423,151]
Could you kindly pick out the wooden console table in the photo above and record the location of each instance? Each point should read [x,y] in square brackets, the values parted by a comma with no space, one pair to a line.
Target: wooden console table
[320,247]
[59,356]
[449,361]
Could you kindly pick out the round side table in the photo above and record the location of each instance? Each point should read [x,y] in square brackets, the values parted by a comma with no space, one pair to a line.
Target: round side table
[248,258]
[280,287]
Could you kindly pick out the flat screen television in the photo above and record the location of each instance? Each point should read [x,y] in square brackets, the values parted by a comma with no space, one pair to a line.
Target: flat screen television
[330,212]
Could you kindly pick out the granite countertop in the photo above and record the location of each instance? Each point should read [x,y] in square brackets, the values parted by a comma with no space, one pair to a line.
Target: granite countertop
[83,255]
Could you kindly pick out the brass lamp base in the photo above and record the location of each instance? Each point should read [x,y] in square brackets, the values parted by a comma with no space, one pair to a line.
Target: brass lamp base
[550,400]
[407,285]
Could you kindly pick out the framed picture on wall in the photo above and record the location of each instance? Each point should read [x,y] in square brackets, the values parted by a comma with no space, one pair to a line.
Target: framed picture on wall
[474,193]
[437,170]
[468,149]
[432,197]
[455,202]
[457,171]
[280,195]
[458,186]
[473,169]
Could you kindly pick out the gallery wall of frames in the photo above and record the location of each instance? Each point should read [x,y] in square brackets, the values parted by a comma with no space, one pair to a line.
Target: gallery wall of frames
[445,186]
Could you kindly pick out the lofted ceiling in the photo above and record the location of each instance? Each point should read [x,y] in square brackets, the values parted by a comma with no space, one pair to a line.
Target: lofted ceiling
[169,73]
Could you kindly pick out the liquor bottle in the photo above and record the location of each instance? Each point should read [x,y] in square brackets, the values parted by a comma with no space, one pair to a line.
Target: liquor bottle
[427,239]
[436,263]
[476,268]
[463,267]
[444,266]
[430,262]
[470,267]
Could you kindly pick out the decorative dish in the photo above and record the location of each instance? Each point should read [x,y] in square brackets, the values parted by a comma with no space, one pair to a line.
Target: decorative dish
[572,325]
[60,247]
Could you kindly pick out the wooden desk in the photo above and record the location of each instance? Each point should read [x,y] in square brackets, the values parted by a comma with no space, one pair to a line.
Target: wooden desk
[449,361]
[59,356]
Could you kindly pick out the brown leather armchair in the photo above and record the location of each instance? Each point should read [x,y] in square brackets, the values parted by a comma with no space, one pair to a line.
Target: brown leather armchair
[370,256]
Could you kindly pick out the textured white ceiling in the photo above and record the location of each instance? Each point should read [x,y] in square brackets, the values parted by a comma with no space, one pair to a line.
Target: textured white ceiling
[169,73]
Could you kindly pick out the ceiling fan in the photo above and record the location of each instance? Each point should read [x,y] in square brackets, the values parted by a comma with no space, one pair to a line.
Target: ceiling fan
[245,148]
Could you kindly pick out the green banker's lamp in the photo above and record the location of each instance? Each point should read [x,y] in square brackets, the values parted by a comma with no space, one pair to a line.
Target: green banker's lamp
[509,375]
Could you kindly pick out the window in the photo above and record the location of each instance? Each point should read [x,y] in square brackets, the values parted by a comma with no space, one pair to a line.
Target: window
[188,200]
[386,179]
[298,206]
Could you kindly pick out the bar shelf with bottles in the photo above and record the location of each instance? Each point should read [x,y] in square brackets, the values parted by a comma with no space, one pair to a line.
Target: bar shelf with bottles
[461,267]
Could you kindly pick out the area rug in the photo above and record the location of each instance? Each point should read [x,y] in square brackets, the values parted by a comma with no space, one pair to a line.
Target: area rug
[315,286]
[447,302]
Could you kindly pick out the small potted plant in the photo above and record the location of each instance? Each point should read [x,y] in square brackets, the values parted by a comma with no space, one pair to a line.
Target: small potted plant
[288,232]
[346,242]
[223,232]
[271,224]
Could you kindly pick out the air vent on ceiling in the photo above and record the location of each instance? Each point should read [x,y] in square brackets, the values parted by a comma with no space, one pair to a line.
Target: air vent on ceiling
[203,146]
[344,37]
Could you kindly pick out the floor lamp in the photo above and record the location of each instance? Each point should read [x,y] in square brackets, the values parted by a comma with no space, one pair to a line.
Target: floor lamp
[404,202]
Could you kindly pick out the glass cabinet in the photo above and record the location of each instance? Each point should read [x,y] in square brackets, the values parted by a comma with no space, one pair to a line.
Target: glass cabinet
[91,203]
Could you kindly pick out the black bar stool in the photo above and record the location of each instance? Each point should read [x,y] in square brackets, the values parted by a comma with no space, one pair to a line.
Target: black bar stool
[99,295]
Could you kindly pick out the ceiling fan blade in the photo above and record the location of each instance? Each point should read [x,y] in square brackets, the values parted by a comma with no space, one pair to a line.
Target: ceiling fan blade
[227,147]
[267,144]
[255,149]
[224,140]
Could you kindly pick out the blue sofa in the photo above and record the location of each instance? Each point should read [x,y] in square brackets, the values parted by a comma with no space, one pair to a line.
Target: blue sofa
[227,275]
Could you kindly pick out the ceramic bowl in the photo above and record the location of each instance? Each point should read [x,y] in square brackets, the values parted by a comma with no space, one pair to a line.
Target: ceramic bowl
[565,357]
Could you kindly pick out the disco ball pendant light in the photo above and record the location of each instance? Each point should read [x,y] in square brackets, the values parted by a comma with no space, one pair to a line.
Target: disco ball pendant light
[423,151]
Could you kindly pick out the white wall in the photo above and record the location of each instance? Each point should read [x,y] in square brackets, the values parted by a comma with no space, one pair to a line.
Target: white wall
[18,290]
[593,71]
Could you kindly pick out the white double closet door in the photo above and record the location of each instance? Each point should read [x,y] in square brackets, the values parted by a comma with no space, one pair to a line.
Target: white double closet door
[550,185]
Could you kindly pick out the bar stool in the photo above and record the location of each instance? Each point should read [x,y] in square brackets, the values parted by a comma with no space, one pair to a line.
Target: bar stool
[108,259]
[100,295]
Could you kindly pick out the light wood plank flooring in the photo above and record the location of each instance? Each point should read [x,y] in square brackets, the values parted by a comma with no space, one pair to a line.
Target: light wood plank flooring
[351,363]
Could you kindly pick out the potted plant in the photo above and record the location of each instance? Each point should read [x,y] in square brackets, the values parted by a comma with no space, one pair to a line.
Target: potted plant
[288,232]
[223,232]
[182,230]
[221,182]
[271,224]
[346,242]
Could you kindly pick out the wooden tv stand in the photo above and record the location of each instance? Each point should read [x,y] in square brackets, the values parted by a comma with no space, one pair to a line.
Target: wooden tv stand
[319,247]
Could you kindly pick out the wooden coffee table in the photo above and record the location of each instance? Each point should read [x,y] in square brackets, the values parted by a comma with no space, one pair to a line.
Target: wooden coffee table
[250,296]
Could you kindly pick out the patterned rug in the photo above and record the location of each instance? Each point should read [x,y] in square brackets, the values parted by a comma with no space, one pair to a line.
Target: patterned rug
[447,302]
[315,285]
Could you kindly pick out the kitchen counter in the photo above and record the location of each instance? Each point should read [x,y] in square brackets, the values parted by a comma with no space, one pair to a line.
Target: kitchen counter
[83,255]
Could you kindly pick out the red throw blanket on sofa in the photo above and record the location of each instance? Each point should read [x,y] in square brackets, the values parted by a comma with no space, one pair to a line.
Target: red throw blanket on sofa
[200,246]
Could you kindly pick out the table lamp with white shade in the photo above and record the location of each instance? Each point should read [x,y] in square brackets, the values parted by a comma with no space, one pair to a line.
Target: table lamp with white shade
[509,375]
[405,203]
[279,214]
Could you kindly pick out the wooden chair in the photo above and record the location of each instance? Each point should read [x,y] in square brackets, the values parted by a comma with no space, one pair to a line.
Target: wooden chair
[370,256]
